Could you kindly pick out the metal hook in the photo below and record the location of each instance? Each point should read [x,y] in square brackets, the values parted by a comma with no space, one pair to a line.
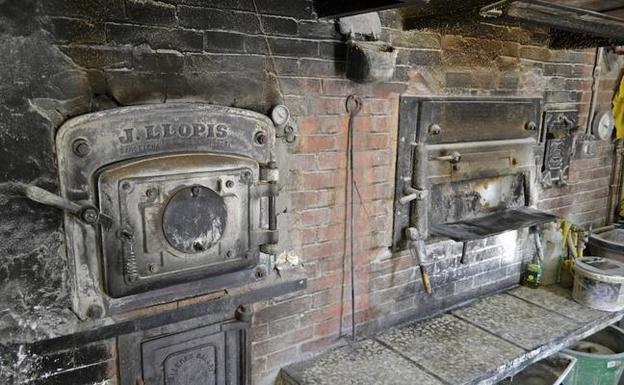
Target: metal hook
[353,104]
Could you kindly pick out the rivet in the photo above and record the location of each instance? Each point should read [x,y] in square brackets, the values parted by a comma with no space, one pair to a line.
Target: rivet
[229,183]
[81,147]
[435,129]
[260,137]
[194,191]
[152,267]
[126,186]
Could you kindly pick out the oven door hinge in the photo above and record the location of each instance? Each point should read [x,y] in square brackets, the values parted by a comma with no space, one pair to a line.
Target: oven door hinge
[267,238]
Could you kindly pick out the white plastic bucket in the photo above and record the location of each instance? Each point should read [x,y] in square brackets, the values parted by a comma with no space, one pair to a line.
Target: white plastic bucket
[599,283]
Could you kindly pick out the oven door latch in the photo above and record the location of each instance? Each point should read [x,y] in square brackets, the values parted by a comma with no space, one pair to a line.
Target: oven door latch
[86,212]
[411,194]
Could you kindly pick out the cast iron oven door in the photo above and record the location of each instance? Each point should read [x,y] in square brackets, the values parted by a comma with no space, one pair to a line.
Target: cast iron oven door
[465,167]
[184,189]
[196,352]
[180,217]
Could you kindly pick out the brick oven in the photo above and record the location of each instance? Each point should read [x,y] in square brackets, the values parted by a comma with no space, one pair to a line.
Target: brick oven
[152,151]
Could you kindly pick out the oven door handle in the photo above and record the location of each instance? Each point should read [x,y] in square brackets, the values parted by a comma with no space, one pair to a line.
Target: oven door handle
[85,212]
[454,158]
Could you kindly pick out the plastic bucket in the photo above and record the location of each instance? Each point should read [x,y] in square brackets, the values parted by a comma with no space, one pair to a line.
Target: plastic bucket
[594,367]
[599,283]
[607,242]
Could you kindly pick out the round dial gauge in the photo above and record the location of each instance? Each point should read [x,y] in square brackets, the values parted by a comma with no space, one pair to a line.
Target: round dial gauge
[602,126]
[280,115]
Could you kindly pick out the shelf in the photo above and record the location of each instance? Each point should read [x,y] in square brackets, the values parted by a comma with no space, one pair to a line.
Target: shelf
[492,224]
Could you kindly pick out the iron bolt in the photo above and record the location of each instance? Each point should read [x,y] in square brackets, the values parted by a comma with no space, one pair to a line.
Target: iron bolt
[194,191]
[90,215]
[260,137]
[531,126]
[246,177]
[150,193]
[229,183]
[81,147]
[152,267]
[260,273]
[126,186]
[435,129]
[243,313]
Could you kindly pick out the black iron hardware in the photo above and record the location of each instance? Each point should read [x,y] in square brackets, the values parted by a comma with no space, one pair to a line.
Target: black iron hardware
[87,213]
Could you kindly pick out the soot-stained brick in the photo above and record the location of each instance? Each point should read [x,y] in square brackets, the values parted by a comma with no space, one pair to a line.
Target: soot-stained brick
[151,12]
[218,19]
[99,56]
[245,5]
[155,37]
[76,31]
[301,9]
[226,42]
[89,9]
[280,25]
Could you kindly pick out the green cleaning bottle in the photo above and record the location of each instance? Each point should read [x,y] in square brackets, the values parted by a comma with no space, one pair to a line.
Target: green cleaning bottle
[532,276]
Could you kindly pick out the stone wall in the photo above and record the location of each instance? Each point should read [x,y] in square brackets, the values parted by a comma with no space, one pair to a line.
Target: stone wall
[62,58]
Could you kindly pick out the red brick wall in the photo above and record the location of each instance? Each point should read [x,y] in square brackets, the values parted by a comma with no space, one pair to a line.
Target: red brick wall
[131,52]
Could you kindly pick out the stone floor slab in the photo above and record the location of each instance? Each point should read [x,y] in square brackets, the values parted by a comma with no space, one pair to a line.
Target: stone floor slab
[364,363]
[474,351]
[517,321]
[558,300]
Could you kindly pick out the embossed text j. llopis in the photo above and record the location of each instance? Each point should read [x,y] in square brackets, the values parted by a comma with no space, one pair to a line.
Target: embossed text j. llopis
[157,132]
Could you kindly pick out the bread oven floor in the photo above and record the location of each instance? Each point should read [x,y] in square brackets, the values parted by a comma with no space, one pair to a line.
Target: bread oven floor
[482,343]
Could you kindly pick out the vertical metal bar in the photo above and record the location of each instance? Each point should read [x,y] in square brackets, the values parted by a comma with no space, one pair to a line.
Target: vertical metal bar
[420,179]
[353,106]
[463,254]
[272,203]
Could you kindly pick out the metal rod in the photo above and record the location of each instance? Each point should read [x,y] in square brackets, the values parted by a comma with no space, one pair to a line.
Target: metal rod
[353,106]
[485,143]
[463,254]
[47,198]
[594,89]
[273,203]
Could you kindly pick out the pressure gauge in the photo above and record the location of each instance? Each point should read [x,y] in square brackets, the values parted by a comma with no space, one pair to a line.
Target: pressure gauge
[280,115]
[602,126]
